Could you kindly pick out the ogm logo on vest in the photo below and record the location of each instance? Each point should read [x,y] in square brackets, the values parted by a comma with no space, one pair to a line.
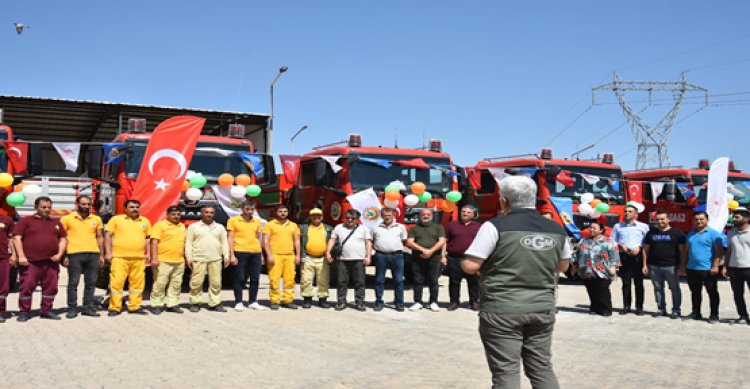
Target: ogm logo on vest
[371,214]
[538,242]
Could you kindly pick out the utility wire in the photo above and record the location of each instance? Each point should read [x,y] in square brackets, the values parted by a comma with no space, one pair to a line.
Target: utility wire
[559,134]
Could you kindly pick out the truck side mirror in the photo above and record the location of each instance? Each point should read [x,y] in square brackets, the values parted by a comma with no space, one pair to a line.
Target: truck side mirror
[94,166]
[35,162]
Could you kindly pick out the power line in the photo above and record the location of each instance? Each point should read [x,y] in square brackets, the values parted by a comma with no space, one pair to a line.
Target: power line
[559,134]
[718,65]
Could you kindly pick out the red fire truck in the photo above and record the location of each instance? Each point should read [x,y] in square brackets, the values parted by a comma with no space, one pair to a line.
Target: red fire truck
[6,133]
[684,190]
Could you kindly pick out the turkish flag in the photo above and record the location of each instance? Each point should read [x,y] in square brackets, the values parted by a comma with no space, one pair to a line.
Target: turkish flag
[165,163]
[635,192]
[417,163]
[475,178]
[565,179]
[18,154]
[290,164]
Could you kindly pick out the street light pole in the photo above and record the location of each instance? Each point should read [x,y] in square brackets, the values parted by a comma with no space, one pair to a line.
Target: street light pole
[303,128]
[269,127]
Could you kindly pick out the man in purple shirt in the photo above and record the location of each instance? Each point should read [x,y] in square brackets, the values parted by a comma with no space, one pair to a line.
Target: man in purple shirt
[40,243]
[460,233]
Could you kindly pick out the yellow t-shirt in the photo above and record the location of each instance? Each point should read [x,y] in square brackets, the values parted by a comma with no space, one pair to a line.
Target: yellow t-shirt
[316,241]
[171,241]
[129,236]
[81,232]
[245,234]
[281,236]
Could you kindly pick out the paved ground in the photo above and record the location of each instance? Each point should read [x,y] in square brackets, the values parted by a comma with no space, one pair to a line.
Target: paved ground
[326,349]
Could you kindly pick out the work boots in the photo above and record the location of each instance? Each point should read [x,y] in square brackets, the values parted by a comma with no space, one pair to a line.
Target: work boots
[307,303]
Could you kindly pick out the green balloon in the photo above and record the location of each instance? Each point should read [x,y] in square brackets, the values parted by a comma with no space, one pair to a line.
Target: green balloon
[602,207]
[253,190]
[391,187]
[453,196]
[198,181]
[15,199]
[425,197]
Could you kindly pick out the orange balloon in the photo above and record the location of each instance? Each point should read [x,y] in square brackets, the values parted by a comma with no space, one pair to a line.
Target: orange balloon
[225,180]
[595,202]
[19,187]
[243,180]
[448,206]
[418,188]
[392,195]
[185,186]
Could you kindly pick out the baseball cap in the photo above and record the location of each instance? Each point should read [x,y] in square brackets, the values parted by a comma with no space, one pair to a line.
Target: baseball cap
[740,209]
[316,211]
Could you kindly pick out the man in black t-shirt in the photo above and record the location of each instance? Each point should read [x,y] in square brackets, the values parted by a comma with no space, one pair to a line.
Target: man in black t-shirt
[663,250]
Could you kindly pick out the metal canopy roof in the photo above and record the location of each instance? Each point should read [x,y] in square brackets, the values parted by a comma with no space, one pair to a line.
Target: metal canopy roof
[46,119]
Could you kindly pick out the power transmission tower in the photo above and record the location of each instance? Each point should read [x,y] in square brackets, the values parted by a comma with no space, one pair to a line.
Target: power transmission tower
[653,142]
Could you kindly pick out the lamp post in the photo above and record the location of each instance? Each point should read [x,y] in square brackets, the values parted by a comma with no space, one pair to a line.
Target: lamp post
[303,128]
[269,127]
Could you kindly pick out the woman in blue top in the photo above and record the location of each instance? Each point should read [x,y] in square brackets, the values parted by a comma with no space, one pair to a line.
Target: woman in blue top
[596,260]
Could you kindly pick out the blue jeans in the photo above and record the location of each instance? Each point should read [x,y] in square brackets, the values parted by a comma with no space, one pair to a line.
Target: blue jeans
[395,262]
[659,274]
[248,265]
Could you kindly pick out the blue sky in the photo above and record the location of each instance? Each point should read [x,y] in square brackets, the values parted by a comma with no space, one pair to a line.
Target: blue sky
[489,78]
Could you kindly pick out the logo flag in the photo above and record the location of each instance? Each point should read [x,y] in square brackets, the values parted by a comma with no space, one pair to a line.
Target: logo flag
[112,152]
[367,203]
[564,207]
[165,163]
[69,154]
[684,190]
[290,164]
[253,161]
[18,153]
[716,198]
[656,189]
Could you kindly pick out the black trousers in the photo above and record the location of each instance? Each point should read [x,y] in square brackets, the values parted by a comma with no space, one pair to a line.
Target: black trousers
[631,272]
[456,274]
[88,265]
[426,272]
[738,277]
[599,295]
[697,279]
[354,270]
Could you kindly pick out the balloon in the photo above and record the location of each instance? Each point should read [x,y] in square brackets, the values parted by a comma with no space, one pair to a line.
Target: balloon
[6,179]
[253,190]
[425,197]
[411,200]
[448,206]
[418,188]
[595,202]
[19,187]
[391,187]
[32,190]
[237,191]
[585,209]
[194,194]
[398,184]
[225,180]
[631,203]
[602,207]
[392,195]
[185,186]
[587,198]
[198,181]
[390,204]
[453,196]
[733,204]
[190,174]
[640,207]
[595,214]
[15,199]
[243,180]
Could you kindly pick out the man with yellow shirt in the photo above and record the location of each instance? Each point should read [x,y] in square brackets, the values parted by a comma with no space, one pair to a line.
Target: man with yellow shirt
[206,250]
[128,251]
[281,242]
[168,261]
[314,242]
[85,255]
[243,234]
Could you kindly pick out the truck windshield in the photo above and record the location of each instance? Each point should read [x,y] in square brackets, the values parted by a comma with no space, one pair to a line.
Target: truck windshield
[209,159]
[739,187]
[604,183]
[368,174]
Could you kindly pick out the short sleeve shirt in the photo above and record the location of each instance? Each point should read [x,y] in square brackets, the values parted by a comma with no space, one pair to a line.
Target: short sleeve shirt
[129,236]
[316,245]
[389,239]
[355,248]
[40,237]
[701,247]
[631,235]
[6,227]
[664,247]
[82,232]
[245,234]
[427,236]
[281,236]
[739,242]
[171,239]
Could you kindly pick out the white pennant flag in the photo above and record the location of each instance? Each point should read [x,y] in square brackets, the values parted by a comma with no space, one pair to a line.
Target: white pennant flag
[367,203]
[69,154]
[716,197]
[590,178]
[331,159]
[498,173]
[656,189]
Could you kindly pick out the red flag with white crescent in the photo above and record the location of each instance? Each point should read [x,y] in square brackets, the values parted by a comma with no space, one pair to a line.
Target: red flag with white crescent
[18,153]
[290,164]
[635,191]
[165,163]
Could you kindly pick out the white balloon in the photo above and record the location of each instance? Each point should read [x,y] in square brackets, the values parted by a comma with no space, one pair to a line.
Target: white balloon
[730,197]
[32,190]
[391,204]
[411,200]
[587,198]
[585,209]
[194,194]
[237,191]
[190,174]
[640,207]
[595,214]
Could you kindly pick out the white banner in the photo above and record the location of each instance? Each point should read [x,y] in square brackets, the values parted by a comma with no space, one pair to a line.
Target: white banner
[368,204]
[717,205]
[69,154]
[498,173]
[656,189]
[331,159]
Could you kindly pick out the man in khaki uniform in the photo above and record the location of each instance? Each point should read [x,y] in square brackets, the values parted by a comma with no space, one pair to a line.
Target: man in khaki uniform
[206,251]
[168,261]
[314,242]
